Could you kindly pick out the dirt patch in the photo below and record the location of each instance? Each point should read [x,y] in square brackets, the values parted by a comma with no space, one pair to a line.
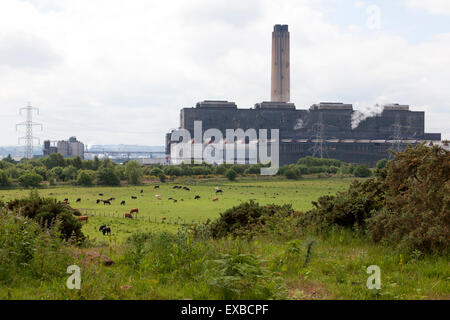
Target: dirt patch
[93,256]
[307,290]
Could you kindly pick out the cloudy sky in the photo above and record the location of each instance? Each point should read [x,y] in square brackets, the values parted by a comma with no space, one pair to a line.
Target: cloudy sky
[114,71]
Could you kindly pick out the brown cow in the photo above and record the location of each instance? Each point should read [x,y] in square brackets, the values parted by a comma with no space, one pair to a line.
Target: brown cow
[83,218]
[216,199]
[134,210]
[128,215]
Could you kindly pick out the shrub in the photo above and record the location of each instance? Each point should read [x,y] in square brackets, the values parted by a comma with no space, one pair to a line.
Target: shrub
[156,172]
[362,171]
[30,180]
[231,174]
[292,174]
[381,164]
[243,218]
[48,213]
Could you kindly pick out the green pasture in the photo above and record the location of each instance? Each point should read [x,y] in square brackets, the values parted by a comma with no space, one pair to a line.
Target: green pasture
[152,211]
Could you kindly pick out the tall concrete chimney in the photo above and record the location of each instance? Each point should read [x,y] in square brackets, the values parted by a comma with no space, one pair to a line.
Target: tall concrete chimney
[281,79]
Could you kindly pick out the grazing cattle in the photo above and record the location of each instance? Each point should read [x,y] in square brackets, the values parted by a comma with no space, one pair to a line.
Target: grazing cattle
[134,210]
[164,219]
[122,203]
[78,200]
[157,196]
[186,188]
[216,199]
[174,200]
[142,191]
[128,215]
[101,227]
[100,194]
[106,230]
[197,197]
[98,201]
[83,218]
[169,198]
[156,187]
[133,197]
[219,191]
[106,202]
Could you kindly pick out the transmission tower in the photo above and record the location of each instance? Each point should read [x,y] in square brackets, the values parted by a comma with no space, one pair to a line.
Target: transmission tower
[319,148]
[29,129]
[397,137]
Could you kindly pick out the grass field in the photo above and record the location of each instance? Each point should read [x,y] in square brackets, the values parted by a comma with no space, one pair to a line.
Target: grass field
[186,210]
[181,268]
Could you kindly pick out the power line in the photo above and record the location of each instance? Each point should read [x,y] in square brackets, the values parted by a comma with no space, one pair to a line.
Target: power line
[29,138]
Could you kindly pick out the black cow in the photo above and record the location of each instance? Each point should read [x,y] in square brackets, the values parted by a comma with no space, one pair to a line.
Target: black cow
[105,230]
[156,187]
[133,197]
[100,194]
[122,203]
[142,191]
[219,191]
[186,188]
[78,200]
[197,197]
[106,202]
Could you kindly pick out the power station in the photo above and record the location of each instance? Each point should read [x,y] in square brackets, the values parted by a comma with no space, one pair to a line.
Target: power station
[325,129]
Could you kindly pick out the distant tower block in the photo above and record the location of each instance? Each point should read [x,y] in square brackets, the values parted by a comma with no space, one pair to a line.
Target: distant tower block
[281,79]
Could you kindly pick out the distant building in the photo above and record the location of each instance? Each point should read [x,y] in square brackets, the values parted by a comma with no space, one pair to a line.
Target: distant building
[68,149]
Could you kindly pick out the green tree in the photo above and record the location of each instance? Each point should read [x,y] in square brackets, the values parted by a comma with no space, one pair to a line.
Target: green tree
[162,177]
[4,179]
[133,172]
[362,171]
[231,174]
[69,173]
[107,176]
[30,180]
[381,164]
[84,178]
[9,159]
[156,172]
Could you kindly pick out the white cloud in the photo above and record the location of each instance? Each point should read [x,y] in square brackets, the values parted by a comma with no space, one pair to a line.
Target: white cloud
[110,71]
[437,7]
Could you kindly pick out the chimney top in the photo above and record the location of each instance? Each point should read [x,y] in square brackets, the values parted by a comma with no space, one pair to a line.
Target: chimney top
[280,27]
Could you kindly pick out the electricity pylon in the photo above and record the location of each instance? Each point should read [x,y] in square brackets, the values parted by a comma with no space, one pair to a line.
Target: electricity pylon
[29,138]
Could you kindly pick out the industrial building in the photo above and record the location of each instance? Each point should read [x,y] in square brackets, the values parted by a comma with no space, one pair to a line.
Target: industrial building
[68,149]
[326,129]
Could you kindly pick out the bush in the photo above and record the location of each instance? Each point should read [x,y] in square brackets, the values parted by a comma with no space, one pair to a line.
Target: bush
[243,218]
[362,171]
[381,164]
[156,172]
[231,174]
[30,180]
[292,174]
[48,213]
[407,204]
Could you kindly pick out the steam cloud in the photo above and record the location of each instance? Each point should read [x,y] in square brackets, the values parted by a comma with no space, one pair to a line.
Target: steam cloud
[365,113]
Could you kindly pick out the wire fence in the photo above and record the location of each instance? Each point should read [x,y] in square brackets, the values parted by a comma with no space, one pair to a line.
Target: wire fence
[139,217]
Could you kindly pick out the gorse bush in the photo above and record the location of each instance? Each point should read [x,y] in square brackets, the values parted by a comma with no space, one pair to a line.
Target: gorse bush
[48,213]
[407,204]
[27,250]
[246,217]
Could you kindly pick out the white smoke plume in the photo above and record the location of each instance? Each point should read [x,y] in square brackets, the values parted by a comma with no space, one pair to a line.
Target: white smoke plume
[299,124]
[365,113]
